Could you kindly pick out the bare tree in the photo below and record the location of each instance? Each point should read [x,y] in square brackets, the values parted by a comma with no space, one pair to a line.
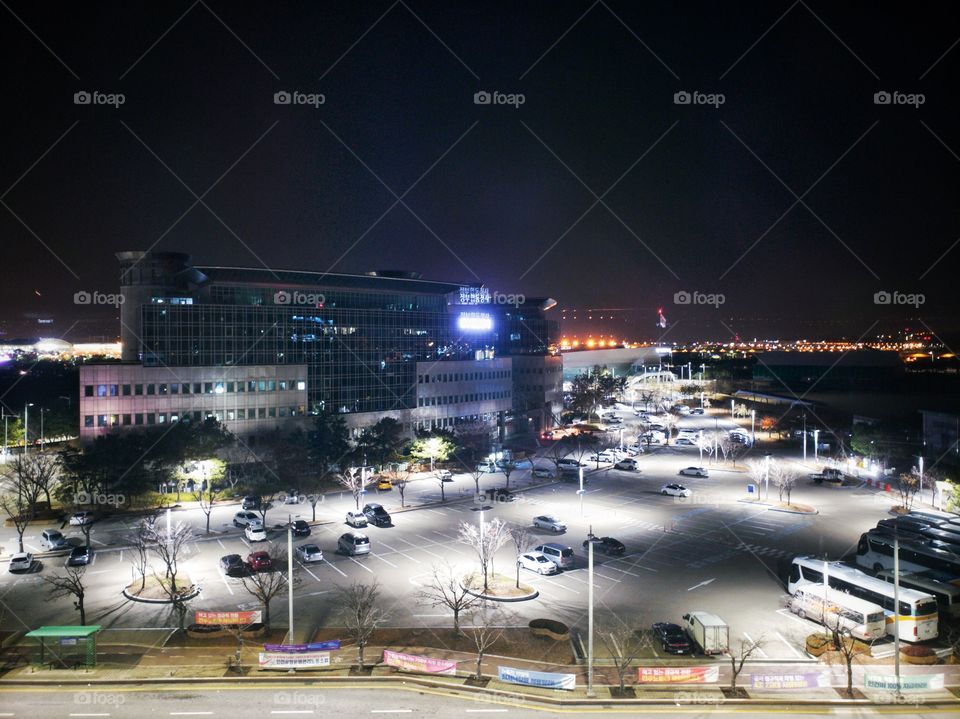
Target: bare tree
[443,495]
[757,471]
[168,546]
[445,589]
[485,540]
[486,630]
[670,421]
[844,643]
[785,478]
[507,470]
[747,648]
[401,485]
[521,537]
[69,584]
[16,509]
[360,608]
[206,499]
[908,486]
[178,598]
[354,480]
[624,645]
[267,585]
[33,475]
[140,539]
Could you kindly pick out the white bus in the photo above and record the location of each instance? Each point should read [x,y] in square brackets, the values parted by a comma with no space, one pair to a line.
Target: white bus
[875,551]
[917,611]
[930,582]
[835,609]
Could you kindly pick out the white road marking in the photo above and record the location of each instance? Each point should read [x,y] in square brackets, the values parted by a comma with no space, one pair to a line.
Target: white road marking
[550,581]
[759,650]
[702,584]
[291,711]
[314,594]
[189,714]
[223,577]
[391,711]
[334,568]
[383,559]
[431,615]
[81,714]
[435,511]
[789,646]
[221,544]
[360,564]
[303,566]
[100,571]
[102,544]
[28,546]
[478,711]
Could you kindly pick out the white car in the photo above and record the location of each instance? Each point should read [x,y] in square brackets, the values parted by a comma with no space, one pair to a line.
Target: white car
[242,519]
[444,475]
[696,410]
[684,442]
[79,519]
[255,532]
[542,472]
[675,490]
[694,472]
[567,463]
[628,464]
[291,499]
[546,521]
[356,519]
[21,562]
[537,562]
[307,553]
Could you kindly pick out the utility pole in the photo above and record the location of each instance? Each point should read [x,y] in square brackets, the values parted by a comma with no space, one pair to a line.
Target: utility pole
[816,444]
[290,578]
[896,608]
[590,692]
[804,436]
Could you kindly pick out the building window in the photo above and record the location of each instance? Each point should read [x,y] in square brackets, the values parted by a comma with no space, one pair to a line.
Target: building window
[101,390]
[101,420]
[241,414]
[196,388]
[301,385]
[272,385]
[151,418]
[251,386]
[230,387]
[88,420]
[186,388]
[162,418]
[88,390]
[126,419]
[261,412]
[126,390]
[283,385]
[272,412]
[150,389]
[174,388]
[163,388]
[208,387]
[138,418]
[231,414]
[262,386]
[241,387]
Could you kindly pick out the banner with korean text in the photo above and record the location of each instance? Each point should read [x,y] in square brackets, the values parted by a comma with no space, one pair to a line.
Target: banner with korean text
[417,663]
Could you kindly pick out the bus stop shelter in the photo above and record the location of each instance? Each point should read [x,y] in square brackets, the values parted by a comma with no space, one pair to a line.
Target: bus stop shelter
[66,646]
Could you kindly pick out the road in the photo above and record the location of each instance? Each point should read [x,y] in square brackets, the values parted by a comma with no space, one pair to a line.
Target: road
[710,552]
[255,702]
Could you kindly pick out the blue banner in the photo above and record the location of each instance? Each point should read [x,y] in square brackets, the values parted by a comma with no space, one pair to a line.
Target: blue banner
[297,648]
[537,679]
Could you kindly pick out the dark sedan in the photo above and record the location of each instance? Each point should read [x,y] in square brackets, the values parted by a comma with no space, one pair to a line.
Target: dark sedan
[377,515]
[608,545]
[300,528]
[232,564]
[673,639]
[80,556]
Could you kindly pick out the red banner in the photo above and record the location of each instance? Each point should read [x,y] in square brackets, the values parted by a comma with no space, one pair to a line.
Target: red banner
[242,618]
[416,663]
[677,675]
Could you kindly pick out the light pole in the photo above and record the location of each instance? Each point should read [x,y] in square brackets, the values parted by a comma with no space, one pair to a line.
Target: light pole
[896,608]
[816,444]
[290,578]
[921,478]
[42,412]
[590,692]
[26,425]
[580,491]
[753,425]
[731,408]
[621,444]
[804,436]
[700,445]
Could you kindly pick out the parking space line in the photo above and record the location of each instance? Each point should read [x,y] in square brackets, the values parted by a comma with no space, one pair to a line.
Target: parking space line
[793,649]
[360,564]
[759,650]
[304,567]
[435,511]
[382,559]
[223,577]
[397,551]
[550,581]
[334,568]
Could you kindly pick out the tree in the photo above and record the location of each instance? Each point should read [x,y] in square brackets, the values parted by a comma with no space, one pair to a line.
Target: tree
[757,471]
[747,647]
[382,441]
[179,598]
[624,645]
[168,545]
[69,584]
[443,488]
[507,470]
[521,537]
[205,498]
[447,589]
[485,539]
[355,480]
[434,447]
[785,478]
[768,423]
[34,475]
[670,421]
[362,614]
[16,510]
[595,388]
[266,586]
[908,486]
[486,630]
[140,540]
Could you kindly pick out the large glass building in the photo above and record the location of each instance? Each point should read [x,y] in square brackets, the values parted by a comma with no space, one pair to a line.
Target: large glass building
[430,354]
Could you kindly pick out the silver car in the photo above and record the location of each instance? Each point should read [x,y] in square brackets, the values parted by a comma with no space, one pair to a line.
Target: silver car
[537,562]
[307,553]
[353,543]
[546,521]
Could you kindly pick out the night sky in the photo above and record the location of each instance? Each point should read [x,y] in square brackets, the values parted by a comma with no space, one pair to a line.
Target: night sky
[704,199]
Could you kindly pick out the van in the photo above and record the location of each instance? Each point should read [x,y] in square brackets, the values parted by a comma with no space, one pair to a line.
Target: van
[52,540]
[559,554]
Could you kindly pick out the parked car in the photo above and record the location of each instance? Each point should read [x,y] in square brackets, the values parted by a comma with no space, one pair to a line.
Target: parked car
[232,564]
[684,442]
[694,472]
[445,475]
[260,561]
[559,554]
[697,410]
[607,545]
[250,502]
[80,556]
[566,462]
[79,519]
[628,464]
[300,528]
[536,562]
[675,490]
[353,543]
[52,540]
[542,473]
[356,519]
[501,494]
[673,639]
[488,467]
[21,562]
[255,532]
[377,515]
[242,519]
[546,521]
[384,485]
[291,498]
[307,553]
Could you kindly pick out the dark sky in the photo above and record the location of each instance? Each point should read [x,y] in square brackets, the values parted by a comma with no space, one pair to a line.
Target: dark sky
[502,194]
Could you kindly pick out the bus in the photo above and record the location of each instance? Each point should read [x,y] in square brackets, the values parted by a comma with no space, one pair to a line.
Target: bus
[930,582]
[839,610]
[917,611]
[875,551]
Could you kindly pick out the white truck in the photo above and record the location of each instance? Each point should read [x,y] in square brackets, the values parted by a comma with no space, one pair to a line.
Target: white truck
[708,631]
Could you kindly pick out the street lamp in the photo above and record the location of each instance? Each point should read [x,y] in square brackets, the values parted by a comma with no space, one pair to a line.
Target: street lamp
[753,424]
[816,443]
[731,408]
[290,578]
[580,491]
[590,692]
[26,424]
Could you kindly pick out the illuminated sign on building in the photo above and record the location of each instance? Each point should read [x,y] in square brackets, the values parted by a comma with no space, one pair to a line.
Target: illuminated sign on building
[474,296]
[475,322]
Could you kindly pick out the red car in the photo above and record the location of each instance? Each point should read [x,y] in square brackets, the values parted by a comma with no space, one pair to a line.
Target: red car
[260,561]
